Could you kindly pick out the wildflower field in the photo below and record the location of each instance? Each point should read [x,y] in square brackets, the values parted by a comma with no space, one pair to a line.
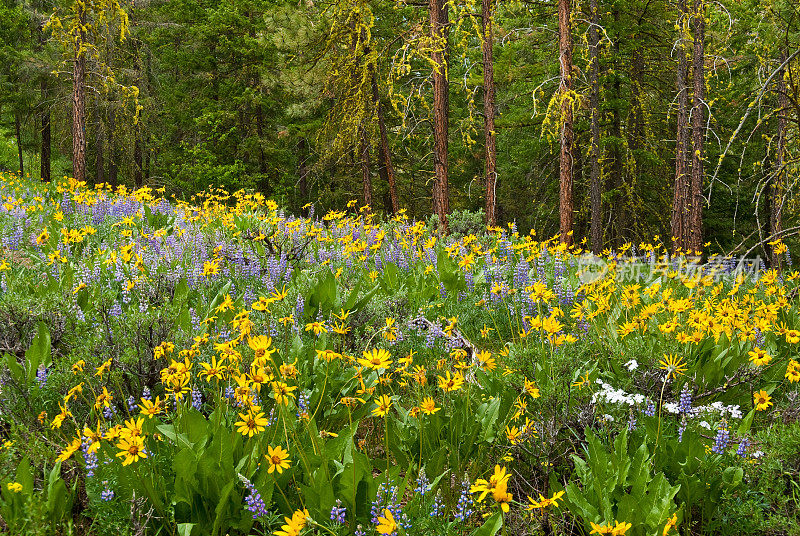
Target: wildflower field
[218,367]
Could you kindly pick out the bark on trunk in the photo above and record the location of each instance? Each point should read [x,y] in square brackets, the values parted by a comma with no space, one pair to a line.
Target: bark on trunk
[778,185]
[680,199]
[112,152]
[489,113]
[565,161]
[302,170]
[366,178]
[620,219]
[386,169]
[438,10]
[79,102]
[636,140]
[99,162]
[698,127]
[18,132]
[595,188]
[262,157]
[138,174]
[44,170]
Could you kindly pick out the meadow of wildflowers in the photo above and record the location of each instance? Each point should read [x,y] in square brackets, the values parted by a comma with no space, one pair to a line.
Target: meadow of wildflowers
[219,367]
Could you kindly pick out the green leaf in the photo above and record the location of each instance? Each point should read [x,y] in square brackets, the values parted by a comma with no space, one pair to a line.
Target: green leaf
[17,372]
[185,529]
[219,511]
[218,298]
[732,476]
[39,352]
[181,291]
[747,422]
[490,527]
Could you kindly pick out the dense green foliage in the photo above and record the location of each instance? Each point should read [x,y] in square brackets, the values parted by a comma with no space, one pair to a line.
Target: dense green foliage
[278,96]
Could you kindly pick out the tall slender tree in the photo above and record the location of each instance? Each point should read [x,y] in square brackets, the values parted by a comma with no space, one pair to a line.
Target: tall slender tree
[567,134]
[439,23]
[489,110]
[72,30]
[595,187]
[695,243]
[386,169]
[681,201]
[778,180]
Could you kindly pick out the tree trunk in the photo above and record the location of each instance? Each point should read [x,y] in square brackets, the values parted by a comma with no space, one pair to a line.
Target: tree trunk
[79,102]
[778,182]
[112,151]
[386,169]
[18,132]
[366,178]
[302,170]
[489,113]
[620,209]
[441,108]
[680,199]
[565,160]
[636,130]
[44,170]
[138,178]
[99,163]
[698,128]
[262,157]
[595,188]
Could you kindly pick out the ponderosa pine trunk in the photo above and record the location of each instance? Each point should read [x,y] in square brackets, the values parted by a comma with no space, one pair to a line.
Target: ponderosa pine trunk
[18,132]
[79,100]
[595,188]
[567,135]
[138,168]
[778,182]
[262,157]
[680,199]
[44,169]
[112,147]
[366,178]
[99,160]
[620,209]
[636,129]
[386,169]
[489,113]
[438,12]
[698,128]
[302,171]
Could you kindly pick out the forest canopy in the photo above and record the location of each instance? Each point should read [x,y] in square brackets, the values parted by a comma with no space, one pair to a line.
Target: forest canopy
[616,121]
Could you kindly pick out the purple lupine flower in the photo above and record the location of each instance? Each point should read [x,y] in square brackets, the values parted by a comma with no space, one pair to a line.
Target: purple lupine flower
[722,439]
[464,506]
[254,501]
[107,494]
[89,457]
[41,375]
[685,403]
[197,398]
[438,505]
[744,444]
[650,410]
[109,412]
[632,422]
[422,483]
[338,513]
